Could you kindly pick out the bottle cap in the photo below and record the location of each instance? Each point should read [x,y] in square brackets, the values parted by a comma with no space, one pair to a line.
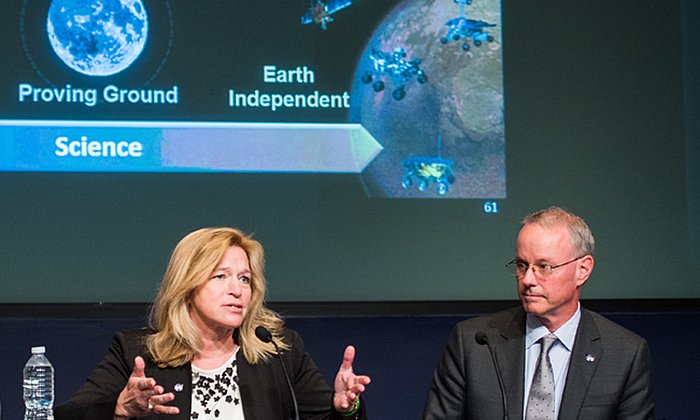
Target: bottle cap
[38,350]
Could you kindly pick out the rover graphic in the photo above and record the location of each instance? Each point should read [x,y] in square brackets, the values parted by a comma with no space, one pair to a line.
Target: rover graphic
[461,29]
[394,66]
[425,170]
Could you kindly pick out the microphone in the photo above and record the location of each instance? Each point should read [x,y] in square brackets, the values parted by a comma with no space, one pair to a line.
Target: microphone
[265,336]
[481,339]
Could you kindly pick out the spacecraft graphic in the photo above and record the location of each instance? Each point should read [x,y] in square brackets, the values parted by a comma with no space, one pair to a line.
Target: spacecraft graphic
[320,12]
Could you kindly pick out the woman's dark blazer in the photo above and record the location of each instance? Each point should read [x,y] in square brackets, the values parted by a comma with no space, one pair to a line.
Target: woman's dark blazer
[264,391]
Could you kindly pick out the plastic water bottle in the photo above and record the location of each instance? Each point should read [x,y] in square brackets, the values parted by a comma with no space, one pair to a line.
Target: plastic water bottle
[38,386]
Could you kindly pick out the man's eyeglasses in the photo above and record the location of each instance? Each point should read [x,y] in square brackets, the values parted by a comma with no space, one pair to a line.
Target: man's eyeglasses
[520,267]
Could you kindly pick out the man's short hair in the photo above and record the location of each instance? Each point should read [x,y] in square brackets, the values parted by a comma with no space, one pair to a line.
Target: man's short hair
[581,235]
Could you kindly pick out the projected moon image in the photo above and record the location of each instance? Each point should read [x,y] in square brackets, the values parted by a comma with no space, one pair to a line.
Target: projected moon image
[444,137]
[97,38]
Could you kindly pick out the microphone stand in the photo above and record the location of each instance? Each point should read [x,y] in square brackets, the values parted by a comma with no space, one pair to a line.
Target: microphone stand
[266,337]
[481,339]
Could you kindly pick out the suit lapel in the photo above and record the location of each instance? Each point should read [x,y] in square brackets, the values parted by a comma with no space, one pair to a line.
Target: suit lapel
[259,386]
[510,355]
[584,361]
[178,381]
[245,371]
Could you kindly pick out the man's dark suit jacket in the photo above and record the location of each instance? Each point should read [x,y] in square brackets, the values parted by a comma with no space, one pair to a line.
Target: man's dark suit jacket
[609,374]
[264,390]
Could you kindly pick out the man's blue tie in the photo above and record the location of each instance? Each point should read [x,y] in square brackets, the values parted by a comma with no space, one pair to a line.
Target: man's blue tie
[540,402]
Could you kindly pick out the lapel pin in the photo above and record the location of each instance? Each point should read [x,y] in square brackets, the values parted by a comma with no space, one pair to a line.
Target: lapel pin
[590,358]
[179,387]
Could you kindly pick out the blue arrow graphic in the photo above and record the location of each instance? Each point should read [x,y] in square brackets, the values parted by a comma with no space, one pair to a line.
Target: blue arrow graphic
[40,145]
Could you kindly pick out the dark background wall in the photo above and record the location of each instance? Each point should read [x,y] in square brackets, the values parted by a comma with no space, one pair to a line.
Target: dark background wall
[398,351]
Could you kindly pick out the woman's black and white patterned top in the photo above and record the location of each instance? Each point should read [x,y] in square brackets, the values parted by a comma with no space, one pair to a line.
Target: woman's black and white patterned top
[215,393]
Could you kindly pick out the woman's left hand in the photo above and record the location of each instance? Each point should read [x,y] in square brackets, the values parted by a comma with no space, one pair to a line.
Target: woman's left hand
[348,386]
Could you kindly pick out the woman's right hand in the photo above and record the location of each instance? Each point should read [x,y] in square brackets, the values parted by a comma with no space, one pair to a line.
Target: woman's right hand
[142,396]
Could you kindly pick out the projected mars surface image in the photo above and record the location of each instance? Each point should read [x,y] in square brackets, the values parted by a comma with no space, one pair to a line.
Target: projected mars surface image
[429,89]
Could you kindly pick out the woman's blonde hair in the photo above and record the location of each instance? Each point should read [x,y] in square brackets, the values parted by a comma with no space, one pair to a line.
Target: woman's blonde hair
[177,339]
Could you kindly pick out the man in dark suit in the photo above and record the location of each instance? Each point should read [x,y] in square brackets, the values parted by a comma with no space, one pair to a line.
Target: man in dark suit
[599,370]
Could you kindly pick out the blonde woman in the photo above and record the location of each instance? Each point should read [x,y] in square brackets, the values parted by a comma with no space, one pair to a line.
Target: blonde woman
[201,359]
